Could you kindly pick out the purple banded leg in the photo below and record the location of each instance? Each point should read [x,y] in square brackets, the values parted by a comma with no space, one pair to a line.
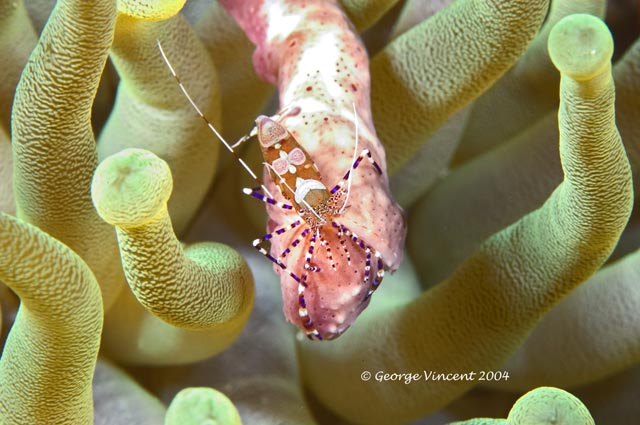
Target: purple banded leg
[367,265]
[257,245]
[364,154]
[309,256]
[377,280]
[342,242]
[379,273]
[307,323]
[255,192]
[327,248]
[293,244]
[310,329]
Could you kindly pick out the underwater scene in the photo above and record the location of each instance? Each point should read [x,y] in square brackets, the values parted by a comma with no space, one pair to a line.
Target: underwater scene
[319,212]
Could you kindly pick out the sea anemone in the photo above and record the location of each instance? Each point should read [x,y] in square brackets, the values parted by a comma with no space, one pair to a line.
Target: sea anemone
[501,138]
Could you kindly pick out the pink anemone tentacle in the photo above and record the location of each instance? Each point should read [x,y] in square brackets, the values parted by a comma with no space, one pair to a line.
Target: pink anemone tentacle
[311,52]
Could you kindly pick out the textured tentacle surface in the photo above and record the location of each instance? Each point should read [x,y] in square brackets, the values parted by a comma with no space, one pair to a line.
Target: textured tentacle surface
[447,223]
[542,406]
[54,150]
[499,183]
[7,199]
[419,81]
[526,93]
[591,334]
[493,300]
[266,388]
[416,11]
[150,111]
[50,354]
[17,38]
[626,74]
[206,286]
[194,406]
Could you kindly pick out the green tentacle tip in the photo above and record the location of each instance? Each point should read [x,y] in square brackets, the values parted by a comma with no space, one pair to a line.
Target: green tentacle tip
[201,406]
[548,405]
[580,46]
[131,187]
[150,10]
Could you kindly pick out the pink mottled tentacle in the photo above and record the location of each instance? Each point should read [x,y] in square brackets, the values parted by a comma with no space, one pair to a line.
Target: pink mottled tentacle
[311,52]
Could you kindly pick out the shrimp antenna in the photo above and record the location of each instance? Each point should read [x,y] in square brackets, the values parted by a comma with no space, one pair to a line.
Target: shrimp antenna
[206,120]
[355,150]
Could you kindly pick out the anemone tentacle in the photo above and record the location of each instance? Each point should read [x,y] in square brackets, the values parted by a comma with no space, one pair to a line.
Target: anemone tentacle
[50,354]
[192,406]
[492,301]
[207,287]
[542,406]
[533,78]
[54,153]
[17,39]
[151,113]
[599,328]
[429,85]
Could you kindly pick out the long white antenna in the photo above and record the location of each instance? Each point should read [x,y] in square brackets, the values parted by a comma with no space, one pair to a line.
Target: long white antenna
[206,120]
[355,152]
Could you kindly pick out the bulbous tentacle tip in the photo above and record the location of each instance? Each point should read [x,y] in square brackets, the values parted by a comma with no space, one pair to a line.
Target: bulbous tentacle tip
[131,187]
[549,405]
[201,405]
[580,46]
[150,10]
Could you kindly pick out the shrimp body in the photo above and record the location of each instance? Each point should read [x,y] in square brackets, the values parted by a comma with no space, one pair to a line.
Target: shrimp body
[329,241]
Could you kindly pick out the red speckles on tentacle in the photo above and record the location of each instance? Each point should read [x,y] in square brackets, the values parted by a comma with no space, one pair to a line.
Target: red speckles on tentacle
[310,50]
